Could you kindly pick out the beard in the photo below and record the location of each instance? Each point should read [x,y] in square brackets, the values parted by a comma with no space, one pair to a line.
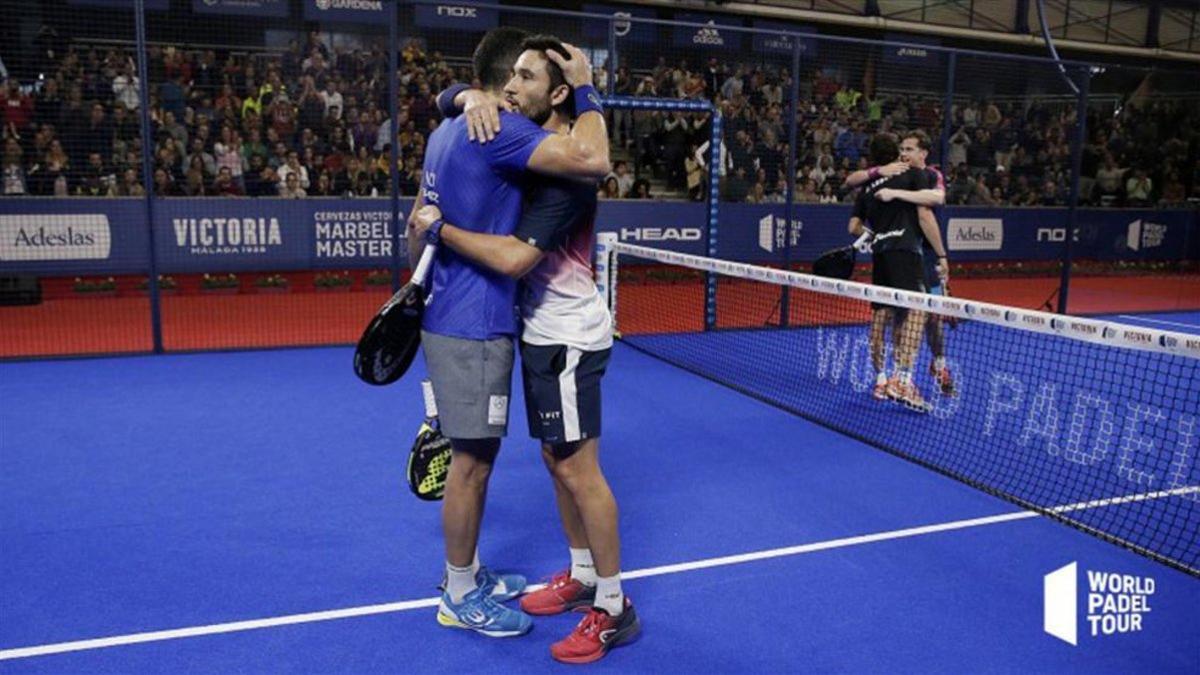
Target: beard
[538,111]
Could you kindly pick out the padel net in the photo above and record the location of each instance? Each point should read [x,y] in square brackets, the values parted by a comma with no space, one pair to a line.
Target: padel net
[1090,422]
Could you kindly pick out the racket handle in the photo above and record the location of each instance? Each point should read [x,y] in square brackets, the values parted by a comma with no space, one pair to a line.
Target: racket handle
[418,276]
[430,403]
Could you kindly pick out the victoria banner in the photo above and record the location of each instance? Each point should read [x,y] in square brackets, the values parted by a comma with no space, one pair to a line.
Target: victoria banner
[108,236]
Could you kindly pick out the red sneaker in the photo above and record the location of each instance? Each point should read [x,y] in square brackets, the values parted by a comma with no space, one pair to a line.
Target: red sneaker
[596,634]
[562,594]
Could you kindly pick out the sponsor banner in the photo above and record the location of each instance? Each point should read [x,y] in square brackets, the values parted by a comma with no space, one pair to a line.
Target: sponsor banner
[635,31]
[85,236]
[457,17]
[975,234]
[710,35]
[782,44]
[153,5]
[349,11]
[272,8]
[914,50]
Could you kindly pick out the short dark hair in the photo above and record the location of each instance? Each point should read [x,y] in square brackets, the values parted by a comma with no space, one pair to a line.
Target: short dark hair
[497,52]
[884,149]
[546,43]
[921,137]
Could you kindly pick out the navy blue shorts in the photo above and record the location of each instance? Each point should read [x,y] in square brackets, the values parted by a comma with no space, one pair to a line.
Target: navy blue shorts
[562,391]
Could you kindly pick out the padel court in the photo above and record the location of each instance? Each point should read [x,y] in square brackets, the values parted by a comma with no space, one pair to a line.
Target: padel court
[246,512]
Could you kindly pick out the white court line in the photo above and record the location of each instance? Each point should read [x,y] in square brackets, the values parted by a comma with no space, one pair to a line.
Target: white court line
[1162,321]
[368,610]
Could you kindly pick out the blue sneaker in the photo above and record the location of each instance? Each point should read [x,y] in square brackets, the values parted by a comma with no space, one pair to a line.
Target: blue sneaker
[502,587]
[480,613]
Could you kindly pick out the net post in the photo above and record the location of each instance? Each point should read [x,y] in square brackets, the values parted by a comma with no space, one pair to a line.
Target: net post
[947,113]
[714,183]
[1073,200]
[139,13]
[789,209]
[394,152]
[606,271]
[611,66]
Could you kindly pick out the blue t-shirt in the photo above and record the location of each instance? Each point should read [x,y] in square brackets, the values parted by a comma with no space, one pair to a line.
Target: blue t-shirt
[478,187]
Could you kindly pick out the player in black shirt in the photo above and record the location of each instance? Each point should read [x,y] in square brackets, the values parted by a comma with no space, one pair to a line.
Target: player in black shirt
[900,230]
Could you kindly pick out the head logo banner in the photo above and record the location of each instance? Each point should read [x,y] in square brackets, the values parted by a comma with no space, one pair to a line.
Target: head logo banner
[348,11]
[457,17]
[636,31]
[272,8]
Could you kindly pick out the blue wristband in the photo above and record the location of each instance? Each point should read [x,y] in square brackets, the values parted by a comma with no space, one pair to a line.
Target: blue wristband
[587,99]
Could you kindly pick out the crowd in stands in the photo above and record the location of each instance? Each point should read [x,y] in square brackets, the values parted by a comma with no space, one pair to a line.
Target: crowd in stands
[314,122]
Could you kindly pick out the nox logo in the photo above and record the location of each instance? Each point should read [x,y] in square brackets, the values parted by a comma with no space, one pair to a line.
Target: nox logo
[1055,234]
[1116,603]
[458,11]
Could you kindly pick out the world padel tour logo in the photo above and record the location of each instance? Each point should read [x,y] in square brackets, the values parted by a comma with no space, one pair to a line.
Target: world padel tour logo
[773,235]
[1115,603]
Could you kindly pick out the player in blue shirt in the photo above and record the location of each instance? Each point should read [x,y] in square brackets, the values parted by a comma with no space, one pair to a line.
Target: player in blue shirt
[470,321]
[565,349]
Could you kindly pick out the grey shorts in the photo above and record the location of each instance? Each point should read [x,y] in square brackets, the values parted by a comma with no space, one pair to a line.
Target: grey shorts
[472,383]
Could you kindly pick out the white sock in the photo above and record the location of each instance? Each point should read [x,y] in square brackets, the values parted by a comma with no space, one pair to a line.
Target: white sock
[459,582]
[475,563]
[609,596]
[583,569]
[881,377]
[939,362]
[905,376]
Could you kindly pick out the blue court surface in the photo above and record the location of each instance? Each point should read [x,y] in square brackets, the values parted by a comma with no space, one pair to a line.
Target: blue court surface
[246,512]
[1180,322]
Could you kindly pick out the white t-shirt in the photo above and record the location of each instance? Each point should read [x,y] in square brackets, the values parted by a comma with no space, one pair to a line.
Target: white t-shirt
[559,301]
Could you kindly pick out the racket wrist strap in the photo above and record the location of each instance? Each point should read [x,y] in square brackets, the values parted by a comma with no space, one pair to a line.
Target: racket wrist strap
[434,234]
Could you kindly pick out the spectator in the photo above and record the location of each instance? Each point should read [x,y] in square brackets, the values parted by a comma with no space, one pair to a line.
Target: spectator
[225,184]
[290,187]
[1139,189]
[736,187]
[261,179]
[807,194]
[18,107]
[695,176]
[1174,193]
[609,189]
[293,167]
[1109,181]
[126,87]
[193,185]
[827,195]
[129,185]
[164,186]
[14,173]
[323,186]
[624,178]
